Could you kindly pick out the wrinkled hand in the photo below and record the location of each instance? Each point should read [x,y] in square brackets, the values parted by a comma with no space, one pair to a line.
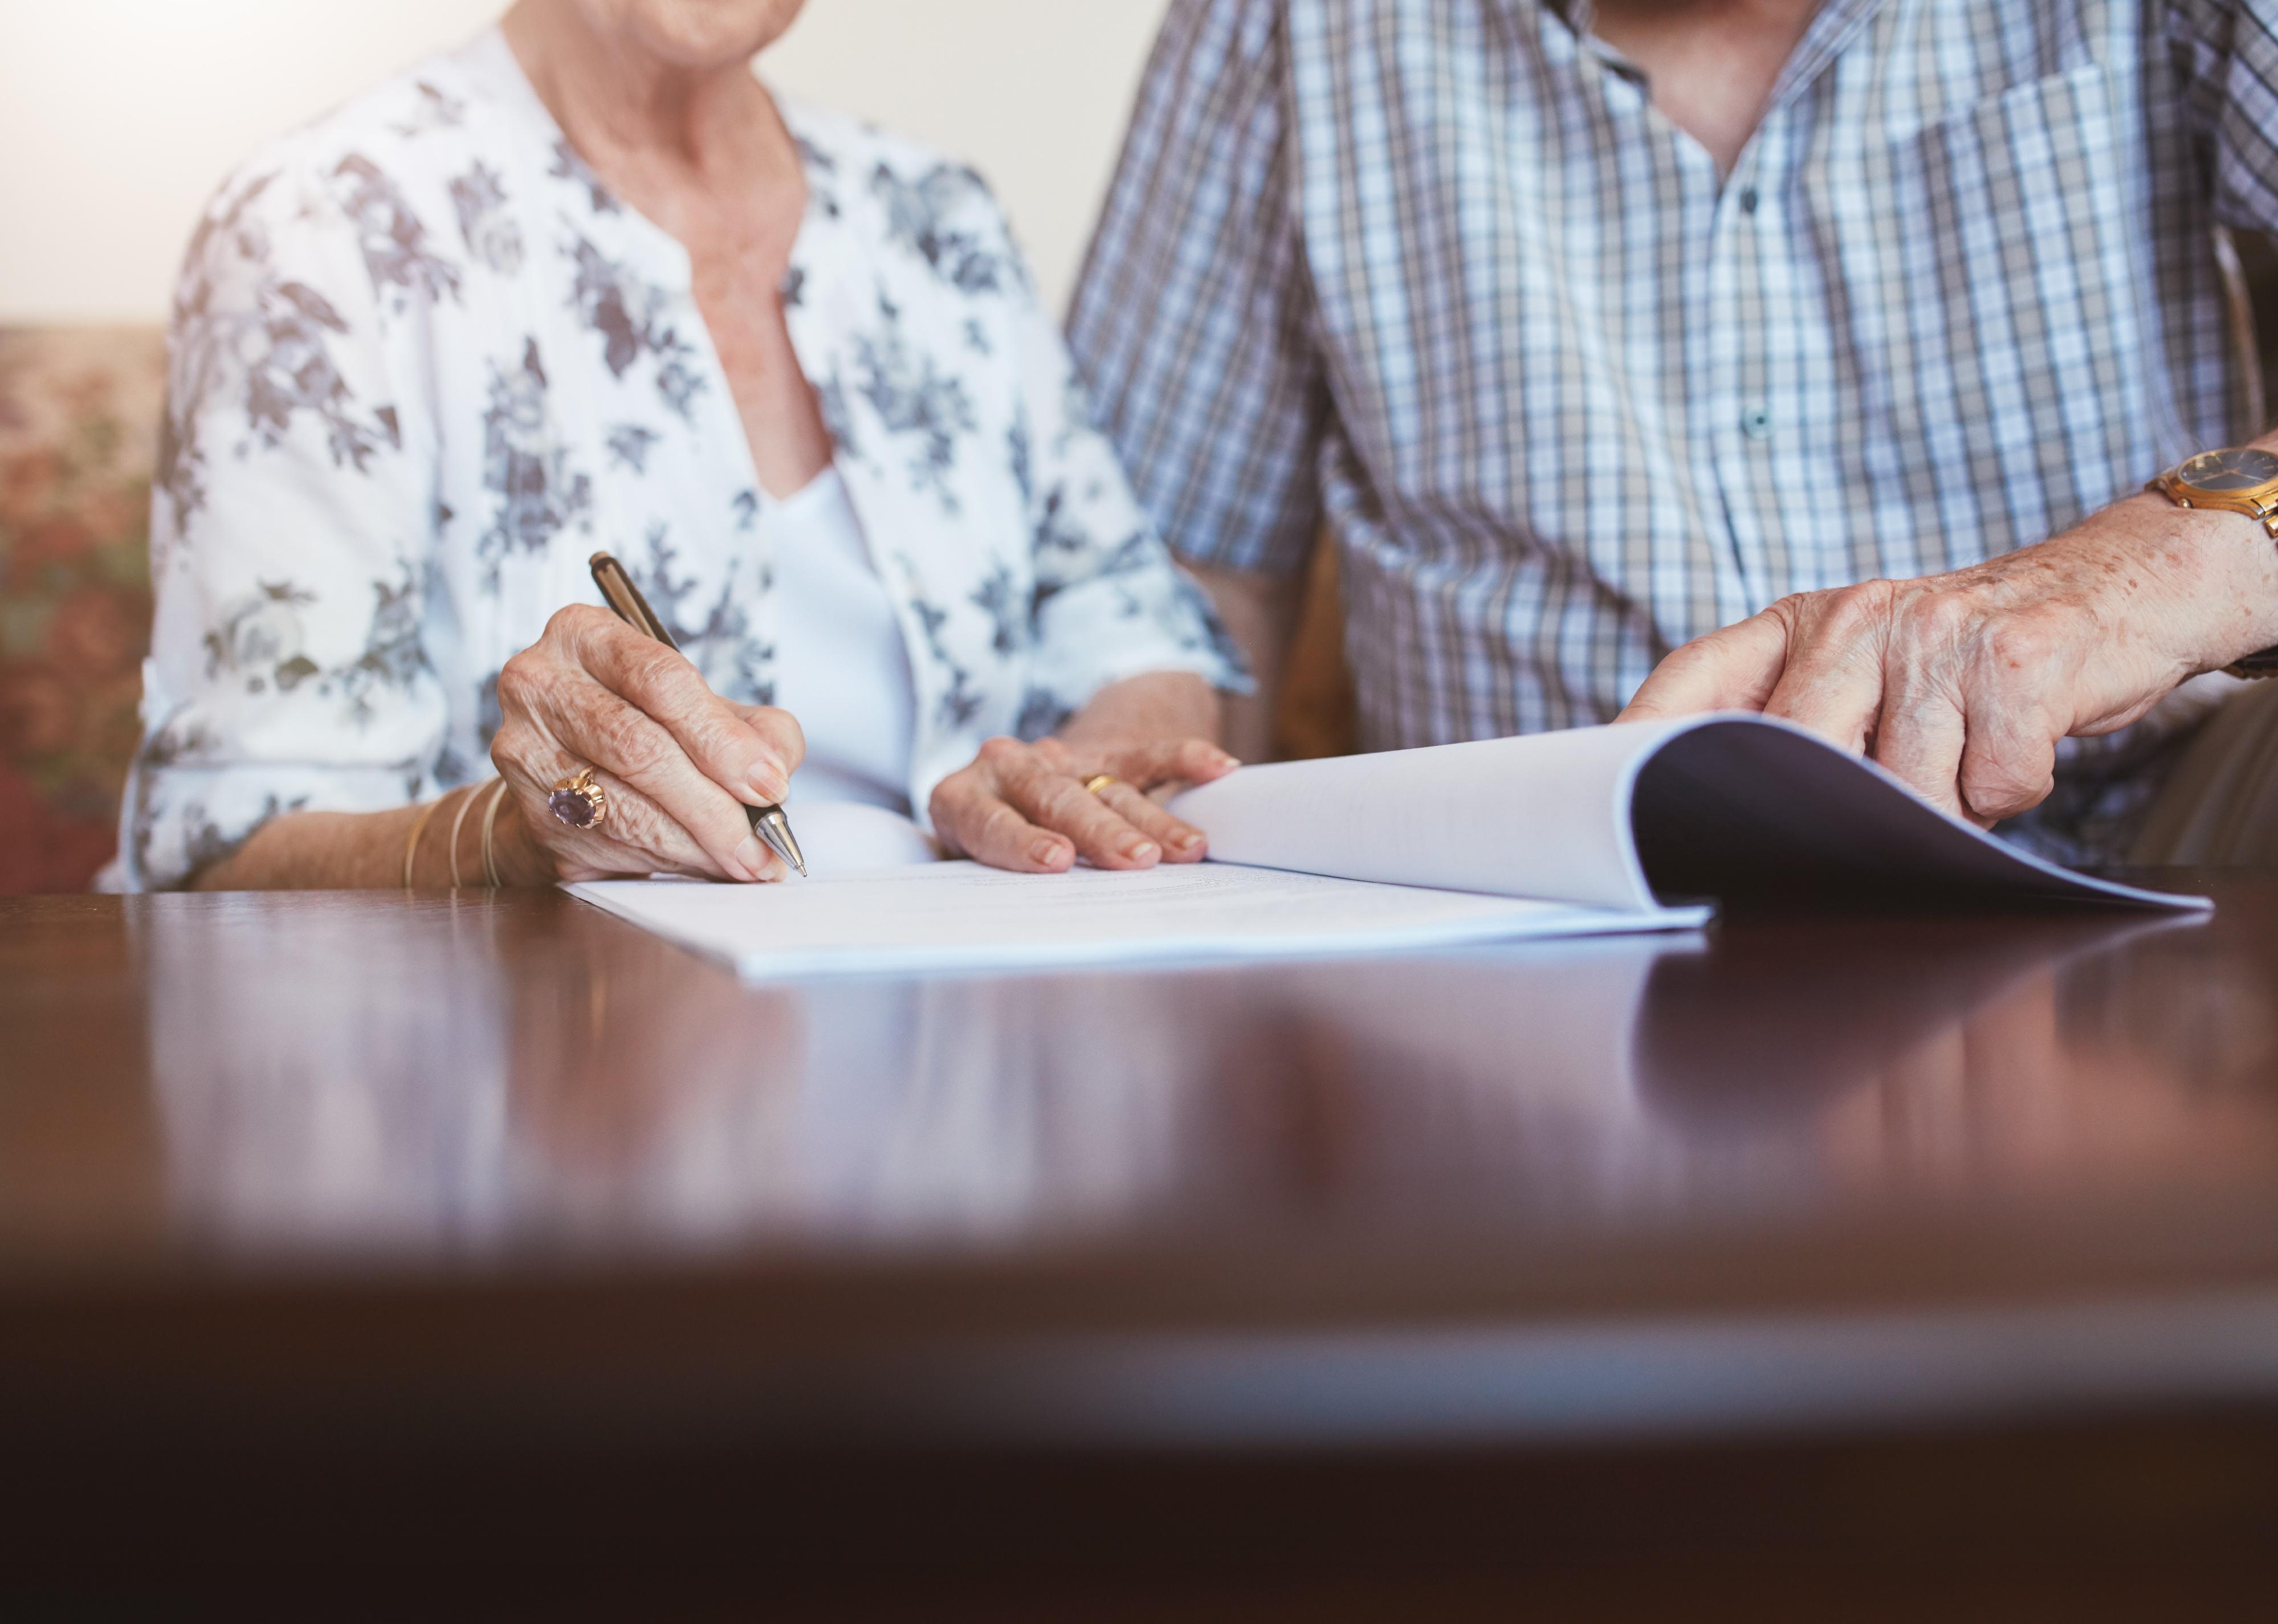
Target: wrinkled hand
[1962,684]
[679,763]
[1024,806]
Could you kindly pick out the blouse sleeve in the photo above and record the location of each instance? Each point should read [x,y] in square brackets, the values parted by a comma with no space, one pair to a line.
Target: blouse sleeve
[1110,602]
[291,528]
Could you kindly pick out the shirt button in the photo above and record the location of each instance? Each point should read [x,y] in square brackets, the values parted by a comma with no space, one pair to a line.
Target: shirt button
[1756,422]
[1748,200]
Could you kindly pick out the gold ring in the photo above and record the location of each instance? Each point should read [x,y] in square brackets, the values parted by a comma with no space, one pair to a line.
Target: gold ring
[579,802]
[1099,781]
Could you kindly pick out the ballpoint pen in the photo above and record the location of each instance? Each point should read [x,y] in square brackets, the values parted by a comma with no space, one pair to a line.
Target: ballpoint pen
[768,822]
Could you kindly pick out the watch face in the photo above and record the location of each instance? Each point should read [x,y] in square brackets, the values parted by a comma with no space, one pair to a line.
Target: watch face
[2231,471]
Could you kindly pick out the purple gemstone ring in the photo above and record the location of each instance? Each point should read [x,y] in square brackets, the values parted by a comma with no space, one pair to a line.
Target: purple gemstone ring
[579,802]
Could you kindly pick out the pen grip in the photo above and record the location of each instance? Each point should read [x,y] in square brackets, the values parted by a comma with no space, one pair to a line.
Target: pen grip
[619,592]
[621,595]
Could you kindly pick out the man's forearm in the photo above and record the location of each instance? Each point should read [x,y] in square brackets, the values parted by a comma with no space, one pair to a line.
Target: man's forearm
[1261,611]
[1963,684]
[2202,582]
[2239,561]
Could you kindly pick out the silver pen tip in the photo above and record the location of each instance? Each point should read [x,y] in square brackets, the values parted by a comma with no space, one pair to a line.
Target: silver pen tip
[773,827]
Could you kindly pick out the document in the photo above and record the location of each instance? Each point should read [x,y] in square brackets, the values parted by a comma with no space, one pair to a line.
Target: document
[1641,828]
[960,916]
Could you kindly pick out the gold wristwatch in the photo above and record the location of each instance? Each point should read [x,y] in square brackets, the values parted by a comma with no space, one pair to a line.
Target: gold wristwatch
[2241,480]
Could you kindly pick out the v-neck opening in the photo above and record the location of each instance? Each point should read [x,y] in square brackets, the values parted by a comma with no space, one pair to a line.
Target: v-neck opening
[808,496]
[509,67]
[493,42]
[522,88]
[1831,29]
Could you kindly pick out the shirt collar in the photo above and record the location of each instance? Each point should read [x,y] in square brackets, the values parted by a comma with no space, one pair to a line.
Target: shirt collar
[1830,30]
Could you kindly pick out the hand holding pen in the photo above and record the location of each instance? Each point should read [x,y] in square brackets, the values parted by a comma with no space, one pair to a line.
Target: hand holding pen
[767,820]
[621,760]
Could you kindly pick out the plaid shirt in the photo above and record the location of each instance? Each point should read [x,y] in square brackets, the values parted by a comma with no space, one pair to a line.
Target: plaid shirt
[1437,272]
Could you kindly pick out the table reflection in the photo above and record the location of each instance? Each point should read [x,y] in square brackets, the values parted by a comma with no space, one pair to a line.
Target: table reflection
[439,1079]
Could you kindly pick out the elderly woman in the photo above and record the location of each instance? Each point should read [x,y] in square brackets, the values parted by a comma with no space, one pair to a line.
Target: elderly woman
[586,284]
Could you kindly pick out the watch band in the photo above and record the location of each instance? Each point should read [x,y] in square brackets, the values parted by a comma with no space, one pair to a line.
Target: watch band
[2253,668]
[2265,513]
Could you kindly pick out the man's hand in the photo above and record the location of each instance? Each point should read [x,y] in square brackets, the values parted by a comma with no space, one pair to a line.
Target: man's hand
[1024,806]
[1961,684]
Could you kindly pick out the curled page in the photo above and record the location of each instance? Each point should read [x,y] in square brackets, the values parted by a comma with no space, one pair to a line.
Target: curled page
[1737,807]
[1544,816]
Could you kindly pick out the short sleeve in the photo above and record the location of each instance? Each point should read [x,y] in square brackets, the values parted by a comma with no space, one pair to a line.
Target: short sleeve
[291,531]
[1192,320]
[2227,53]
[1110,602]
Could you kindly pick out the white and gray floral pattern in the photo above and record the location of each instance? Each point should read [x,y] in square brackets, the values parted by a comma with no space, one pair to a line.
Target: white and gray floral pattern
[422,364]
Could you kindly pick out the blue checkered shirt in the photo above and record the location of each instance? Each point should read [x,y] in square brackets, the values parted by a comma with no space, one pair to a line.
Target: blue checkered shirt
[1436,273]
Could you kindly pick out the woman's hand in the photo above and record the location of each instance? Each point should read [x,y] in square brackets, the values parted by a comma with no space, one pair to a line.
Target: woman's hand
[677,762]
[1024,806]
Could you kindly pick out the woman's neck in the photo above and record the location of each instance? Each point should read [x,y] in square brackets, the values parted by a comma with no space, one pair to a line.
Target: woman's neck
[703,154]
[657,133]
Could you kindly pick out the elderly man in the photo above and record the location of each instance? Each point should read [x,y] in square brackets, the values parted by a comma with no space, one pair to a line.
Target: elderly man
[1855,328]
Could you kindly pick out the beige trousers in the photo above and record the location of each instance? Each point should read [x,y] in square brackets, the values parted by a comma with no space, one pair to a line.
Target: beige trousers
[2220,810]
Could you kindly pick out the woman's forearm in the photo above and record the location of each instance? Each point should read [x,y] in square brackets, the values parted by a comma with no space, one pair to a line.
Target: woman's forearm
[349,852]
[362,851]
[1161,704]
[325,851]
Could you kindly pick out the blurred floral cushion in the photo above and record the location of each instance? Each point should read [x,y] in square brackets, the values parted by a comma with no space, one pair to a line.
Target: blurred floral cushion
[78,414]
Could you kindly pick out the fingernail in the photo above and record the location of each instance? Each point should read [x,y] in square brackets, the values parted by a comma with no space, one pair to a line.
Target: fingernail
[753,856]
[767,780]
[1228,762]
[1046,850]
[1188,841]
[1140,851]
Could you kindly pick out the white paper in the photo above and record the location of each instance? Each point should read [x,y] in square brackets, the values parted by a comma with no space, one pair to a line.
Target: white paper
[847,837]
[1544,816]
[960,916]
[1547,836]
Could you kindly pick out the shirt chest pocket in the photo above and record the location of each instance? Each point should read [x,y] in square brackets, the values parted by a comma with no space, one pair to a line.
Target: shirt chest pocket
[2019,241]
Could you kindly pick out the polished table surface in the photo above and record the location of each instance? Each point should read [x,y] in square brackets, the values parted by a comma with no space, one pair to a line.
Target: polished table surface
[456,1183]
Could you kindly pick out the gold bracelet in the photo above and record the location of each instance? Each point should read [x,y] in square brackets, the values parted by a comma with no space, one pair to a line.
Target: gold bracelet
[490,822]
[411,846]
[459,821]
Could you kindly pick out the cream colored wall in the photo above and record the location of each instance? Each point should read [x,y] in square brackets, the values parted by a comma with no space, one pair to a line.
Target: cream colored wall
[117,116]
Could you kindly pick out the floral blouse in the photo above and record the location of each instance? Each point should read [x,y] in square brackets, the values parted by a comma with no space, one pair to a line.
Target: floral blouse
[422,364]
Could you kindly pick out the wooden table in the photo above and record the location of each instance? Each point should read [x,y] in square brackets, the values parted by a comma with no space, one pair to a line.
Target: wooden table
[1814,1266]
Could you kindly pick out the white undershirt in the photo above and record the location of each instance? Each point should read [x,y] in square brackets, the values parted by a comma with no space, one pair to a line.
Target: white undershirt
[841,667]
